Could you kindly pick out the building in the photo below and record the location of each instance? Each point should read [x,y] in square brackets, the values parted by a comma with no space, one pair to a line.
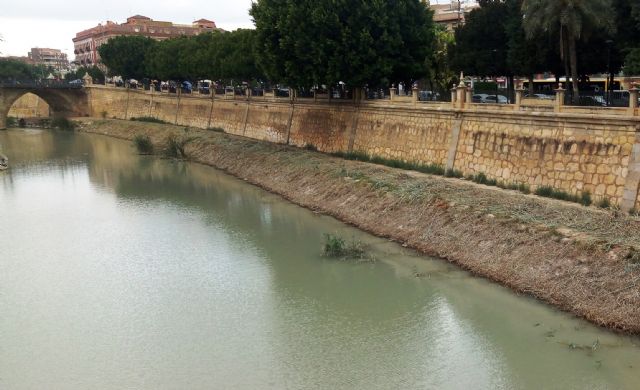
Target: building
[452,14]
[53,58]
[87,42]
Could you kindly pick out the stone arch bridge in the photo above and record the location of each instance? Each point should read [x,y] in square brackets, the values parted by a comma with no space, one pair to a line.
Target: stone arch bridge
[64,99]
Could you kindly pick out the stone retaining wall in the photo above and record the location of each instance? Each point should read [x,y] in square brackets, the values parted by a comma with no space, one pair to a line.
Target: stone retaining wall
[573,150]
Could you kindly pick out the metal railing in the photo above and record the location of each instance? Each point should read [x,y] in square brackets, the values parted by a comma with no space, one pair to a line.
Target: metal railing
[37,84]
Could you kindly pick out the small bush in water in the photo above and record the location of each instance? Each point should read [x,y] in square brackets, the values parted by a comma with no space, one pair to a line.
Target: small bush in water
[337,247]
[143,144]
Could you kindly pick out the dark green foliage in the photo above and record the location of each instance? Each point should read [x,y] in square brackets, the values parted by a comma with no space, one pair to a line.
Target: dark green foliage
[480,45]
[304,43]
[96,74]
[175,146]
[125,55]
[482,178]
[310,147]
[62,123]
[143,144]
[453,173]
[550,192]
[215,56]
[632,63]
[11,121]
[216,129]
[604,203]
[17,70]
[433,169]
[148,119]
[585,198]
[337,247]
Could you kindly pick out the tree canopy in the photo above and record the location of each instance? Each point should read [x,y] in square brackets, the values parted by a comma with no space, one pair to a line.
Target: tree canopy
[125,55]
[11,69]
[309,42]
[571,21]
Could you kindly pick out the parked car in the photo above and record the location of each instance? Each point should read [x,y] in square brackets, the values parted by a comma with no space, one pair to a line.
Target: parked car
[428,96]
[500,99]
[186,87]
[76,82]
[204,87]
[479,98]
[541,96]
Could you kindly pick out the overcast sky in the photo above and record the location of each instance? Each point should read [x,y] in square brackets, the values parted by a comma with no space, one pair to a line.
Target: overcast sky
[44,23]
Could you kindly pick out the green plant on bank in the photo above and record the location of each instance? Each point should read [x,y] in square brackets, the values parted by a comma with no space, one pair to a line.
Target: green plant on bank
[175,146]
[104,114]
[550,192]
[604,203]
[143,144]
[216,129]
[311,147]
[433,169]
[62,123]
[454,173]
[339,248]
[481,178]
[148,119]
[12,121]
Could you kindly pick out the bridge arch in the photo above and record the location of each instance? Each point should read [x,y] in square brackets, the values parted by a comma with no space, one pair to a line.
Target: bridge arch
[63,102]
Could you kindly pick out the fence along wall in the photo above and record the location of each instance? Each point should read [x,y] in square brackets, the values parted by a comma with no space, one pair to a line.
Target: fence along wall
[570,151]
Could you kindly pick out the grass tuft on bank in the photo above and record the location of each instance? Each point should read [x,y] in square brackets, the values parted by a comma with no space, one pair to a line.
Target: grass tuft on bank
[143,144]
[149,119]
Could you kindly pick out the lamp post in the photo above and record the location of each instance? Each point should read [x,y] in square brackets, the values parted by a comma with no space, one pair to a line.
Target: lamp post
[609,77]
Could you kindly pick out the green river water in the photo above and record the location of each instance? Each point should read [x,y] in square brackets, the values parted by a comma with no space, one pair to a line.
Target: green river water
[126,272]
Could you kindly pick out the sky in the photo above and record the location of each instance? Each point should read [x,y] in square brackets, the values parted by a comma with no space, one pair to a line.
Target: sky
[44,23]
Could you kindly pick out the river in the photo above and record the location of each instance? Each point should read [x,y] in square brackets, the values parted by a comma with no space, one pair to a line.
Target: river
[125,272]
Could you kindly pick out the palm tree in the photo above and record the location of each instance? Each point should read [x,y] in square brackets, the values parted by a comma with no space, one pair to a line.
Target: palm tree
[572,21]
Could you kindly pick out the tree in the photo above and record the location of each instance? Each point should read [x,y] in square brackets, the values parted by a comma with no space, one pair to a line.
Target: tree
[480,44]
[96,74]
[570,21]
[304,43]
[632,63]
[440,75]
[17,70]
[125,55]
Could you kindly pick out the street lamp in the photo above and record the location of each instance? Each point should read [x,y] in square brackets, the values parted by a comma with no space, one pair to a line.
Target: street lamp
[609,75]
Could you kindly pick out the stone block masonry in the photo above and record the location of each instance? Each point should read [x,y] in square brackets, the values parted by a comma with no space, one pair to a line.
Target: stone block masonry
[573,150]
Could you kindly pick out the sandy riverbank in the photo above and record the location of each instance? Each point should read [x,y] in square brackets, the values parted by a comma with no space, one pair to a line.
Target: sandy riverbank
[582,260]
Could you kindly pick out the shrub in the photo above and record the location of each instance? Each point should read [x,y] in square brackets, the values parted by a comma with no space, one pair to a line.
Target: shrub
[12,122]
[62,123]
[143,144]
[337,247]
[148,119]
[585,198]
[453,173]
[481,178]
[550,192]
[333,246]
[217,129]
[604,203]
[310,147]
[104,114]
[175,146]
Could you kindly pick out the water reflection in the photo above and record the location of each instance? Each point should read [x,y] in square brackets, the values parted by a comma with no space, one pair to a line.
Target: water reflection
[122,271]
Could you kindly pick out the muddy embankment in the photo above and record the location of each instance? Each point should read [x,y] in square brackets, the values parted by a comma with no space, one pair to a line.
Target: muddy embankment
[580,259]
